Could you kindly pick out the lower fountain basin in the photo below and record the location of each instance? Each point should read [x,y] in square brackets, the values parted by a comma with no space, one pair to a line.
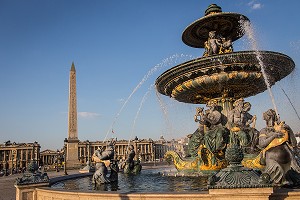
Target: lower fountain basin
[151,180]
[66,189]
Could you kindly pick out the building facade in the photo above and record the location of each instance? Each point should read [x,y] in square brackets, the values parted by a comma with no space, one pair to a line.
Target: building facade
[49,157]
[14,156]
[144,149]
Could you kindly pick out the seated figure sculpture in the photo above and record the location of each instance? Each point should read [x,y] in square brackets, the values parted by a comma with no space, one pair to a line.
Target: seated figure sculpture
[239,120]
[210,139]
[104,159]
[196,138]
[131,166]
[278,143]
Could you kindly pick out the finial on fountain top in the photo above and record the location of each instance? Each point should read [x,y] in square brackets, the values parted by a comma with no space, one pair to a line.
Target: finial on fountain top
[212,9]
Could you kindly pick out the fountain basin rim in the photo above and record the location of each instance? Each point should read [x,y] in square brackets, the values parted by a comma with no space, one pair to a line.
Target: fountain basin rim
[277,66]
[221,194]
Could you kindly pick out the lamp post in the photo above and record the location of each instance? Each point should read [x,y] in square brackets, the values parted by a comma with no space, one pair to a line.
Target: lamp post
[12,162]
[154,154]
[57,157]
[65,156]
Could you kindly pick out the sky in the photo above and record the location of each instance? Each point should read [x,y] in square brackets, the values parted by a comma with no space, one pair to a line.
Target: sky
[119,48]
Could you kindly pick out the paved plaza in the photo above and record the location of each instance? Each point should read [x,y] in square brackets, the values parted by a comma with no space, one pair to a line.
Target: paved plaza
[8,190]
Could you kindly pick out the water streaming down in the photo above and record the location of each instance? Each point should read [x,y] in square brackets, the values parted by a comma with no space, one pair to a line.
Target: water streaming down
[249,31]
[165,111]
[290,102]
[138,112]
[166,62]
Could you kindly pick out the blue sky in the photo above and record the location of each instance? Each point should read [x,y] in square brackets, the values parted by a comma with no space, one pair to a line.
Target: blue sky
[114,45]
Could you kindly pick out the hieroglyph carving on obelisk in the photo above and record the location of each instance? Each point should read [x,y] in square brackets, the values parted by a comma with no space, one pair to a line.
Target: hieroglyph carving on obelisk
[72,120]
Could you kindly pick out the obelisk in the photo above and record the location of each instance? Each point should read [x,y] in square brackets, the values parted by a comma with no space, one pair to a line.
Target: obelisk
[72,144]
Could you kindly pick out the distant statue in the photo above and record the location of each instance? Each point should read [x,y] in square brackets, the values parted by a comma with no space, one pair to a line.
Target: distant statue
[32,175]
[88,168]
[278,143]
[131,166]
[103,160]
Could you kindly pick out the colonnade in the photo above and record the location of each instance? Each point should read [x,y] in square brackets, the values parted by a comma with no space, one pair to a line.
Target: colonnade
[17,158]
[145,150]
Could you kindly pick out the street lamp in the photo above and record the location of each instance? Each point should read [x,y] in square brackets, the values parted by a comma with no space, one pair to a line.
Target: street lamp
[65,156]
[57,157]
[154,154]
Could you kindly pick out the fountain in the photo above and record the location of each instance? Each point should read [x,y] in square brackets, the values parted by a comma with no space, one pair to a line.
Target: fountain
[221,74]
[235,159]
[225,147]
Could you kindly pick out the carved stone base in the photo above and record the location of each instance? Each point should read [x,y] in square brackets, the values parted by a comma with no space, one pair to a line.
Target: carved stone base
[236,177]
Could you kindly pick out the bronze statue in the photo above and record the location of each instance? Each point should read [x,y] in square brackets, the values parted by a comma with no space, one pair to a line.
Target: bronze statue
[212,45]
[103,160]
[210,139]
[131,166]
[239,121]
[278,142]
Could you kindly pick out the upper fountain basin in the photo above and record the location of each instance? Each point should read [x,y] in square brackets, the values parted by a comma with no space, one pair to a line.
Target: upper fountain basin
[236,75]
[227,24]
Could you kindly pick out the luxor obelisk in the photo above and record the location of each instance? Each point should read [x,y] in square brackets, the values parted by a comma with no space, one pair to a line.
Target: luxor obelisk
[72,145]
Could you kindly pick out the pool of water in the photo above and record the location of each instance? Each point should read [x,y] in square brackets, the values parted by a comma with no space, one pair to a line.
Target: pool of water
[151,180]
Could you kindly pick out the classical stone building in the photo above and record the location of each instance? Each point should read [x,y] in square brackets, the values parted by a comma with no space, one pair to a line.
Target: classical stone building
[49,157]
[144,149]
[17,155]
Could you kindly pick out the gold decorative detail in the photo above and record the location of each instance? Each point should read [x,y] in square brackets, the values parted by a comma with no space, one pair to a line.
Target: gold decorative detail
[179,163]
[207,164]
[235,129]
[199,163]
[244,74]
[253,162]
[233,74]
[98,160]
[258,74]
[215,77]
[188,84]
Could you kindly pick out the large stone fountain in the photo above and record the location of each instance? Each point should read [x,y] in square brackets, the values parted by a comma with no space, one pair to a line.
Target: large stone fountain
[226,141]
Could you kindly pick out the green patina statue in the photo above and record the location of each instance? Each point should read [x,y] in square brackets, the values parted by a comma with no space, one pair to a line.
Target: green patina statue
[209,140]
[239,120]
[131,166]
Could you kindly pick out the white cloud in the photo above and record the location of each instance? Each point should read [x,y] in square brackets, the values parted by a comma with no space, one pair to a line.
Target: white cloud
[255,5]
[88,114]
